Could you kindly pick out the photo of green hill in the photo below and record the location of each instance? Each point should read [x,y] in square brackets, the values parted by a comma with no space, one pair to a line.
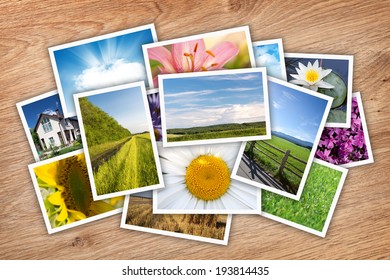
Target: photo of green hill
[118,142]
[217,131]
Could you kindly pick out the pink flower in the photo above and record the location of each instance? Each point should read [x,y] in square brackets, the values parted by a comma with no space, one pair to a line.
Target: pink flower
[192,56]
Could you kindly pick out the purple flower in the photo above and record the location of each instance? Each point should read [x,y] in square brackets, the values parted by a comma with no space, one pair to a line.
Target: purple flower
[154,107]
[344,145]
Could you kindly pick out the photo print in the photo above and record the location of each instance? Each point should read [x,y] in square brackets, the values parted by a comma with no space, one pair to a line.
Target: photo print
[282,163]
[330,75]
[119,143]
[99,62]
[225,49]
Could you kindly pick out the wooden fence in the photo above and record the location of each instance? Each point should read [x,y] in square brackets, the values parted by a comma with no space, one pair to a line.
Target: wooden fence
[266,149]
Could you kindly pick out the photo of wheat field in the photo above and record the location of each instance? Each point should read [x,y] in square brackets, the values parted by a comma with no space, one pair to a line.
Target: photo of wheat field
[118,141]
[140,213]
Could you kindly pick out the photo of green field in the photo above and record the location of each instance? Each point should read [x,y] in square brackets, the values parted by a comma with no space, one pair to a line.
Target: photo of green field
[268,156]
[217,131]
[118,141]
[281,164]
[204,225]
[314,205]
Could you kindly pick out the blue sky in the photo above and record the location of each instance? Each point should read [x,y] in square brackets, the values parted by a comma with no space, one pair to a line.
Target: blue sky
[47,105]
[295,113]
[268,56]
[125,106]
[214,99]
[103,63]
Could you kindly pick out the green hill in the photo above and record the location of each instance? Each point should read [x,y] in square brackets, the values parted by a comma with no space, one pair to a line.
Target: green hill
[99,126]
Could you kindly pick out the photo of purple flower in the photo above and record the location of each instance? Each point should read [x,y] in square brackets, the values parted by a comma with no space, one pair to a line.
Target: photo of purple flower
[154,107]
[344,146]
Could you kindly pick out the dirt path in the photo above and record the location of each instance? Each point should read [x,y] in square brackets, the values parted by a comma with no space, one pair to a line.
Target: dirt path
[102,158]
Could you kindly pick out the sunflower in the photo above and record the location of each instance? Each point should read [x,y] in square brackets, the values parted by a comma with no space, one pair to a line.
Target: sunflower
[198,178]
[66,191]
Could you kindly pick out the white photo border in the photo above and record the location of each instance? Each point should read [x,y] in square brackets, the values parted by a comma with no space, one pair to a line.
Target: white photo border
[331,210]
[141,85]
[312,152]
[266,136]
[49,228]
[66,111]
[196,37]
[350,59]
[123,224]
[281,53]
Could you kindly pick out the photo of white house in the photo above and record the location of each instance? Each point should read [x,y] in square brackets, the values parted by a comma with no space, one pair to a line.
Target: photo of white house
[56,131]
[48,131]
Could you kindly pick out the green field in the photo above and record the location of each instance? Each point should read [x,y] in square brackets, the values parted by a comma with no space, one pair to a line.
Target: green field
[287,178]
[133,166]
[97,150]
[216,131]
[313,207]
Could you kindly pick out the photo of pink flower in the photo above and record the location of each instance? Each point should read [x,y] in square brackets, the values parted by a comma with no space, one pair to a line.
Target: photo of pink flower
[228,49]
[347,146]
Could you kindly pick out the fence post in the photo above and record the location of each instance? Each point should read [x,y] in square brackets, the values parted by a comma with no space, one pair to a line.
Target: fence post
[283,163]
[252,145]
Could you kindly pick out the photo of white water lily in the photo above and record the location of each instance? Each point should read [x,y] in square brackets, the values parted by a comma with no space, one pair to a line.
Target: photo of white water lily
[327,74]
[197,181]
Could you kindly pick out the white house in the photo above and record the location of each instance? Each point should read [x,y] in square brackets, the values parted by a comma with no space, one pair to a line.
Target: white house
[55,130]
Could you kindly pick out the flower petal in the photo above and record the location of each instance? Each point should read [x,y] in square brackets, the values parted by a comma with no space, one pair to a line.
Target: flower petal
[315,64]
[183,62]
[63,214]
[325,73]
[323,84]
[297,77]
[55,199]
[223,52]
[313,87]
[163,56]
[47,173]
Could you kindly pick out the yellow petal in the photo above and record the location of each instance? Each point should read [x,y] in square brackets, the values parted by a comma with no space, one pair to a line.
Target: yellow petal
[47,173]
[63,214]
[115,200]
[76,215]
[55,199]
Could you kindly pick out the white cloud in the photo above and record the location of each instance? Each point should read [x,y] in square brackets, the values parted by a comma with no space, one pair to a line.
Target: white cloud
[276,105]
[272,64]
[118,72]
[49,112]
[236,113]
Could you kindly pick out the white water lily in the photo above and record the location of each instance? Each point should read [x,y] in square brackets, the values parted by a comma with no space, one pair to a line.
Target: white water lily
[197,180]
[311,76]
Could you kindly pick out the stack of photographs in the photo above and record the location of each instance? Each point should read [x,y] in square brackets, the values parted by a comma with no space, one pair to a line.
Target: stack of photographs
[179,135]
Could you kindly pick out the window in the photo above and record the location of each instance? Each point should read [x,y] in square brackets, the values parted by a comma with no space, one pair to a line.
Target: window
[51,139]
[46,125]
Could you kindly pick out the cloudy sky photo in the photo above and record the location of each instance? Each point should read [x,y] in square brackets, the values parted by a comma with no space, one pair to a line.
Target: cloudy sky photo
[268,56]
[295,113]
[125,106]
[100,64]
[214,99]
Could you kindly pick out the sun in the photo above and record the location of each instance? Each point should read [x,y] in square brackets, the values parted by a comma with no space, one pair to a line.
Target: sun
[207,177]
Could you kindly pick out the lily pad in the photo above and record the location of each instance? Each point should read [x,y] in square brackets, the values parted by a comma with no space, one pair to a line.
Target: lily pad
[337,116]
[339,92]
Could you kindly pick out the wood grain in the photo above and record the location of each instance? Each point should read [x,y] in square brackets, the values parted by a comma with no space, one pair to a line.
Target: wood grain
[360,228]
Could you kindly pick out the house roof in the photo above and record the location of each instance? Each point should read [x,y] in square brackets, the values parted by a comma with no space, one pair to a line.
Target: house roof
[54,117]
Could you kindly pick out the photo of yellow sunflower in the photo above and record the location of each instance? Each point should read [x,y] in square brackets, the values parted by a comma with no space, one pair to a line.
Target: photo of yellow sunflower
[64,192]
[197,181]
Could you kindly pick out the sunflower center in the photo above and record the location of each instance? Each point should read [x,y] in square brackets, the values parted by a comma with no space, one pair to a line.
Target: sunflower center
[207,177]
[312,75]
[74,178]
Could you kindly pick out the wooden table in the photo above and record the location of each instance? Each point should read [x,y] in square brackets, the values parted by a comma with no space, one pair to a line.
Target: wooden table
[360,228]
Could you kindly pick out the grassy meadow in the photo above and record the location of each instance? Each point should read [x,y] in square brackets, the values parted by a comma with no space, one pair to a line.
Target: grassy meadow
[216,131]
[133,166]
[205,225]
[271,167]
[313,207]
